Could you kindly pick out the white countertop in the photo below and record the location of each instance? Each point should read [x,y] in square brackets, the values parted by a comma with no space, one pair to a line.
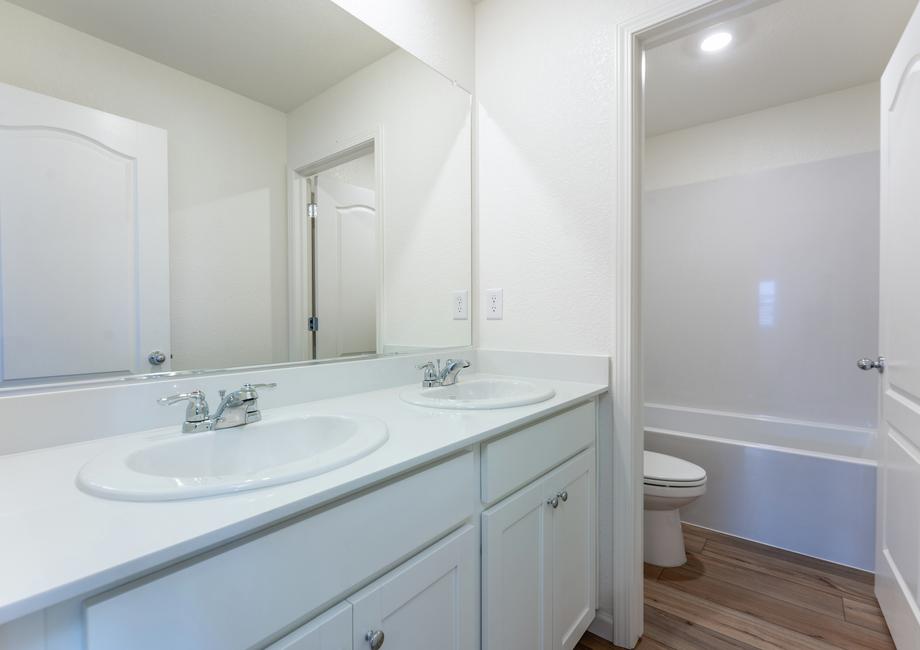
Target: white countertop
[59,542]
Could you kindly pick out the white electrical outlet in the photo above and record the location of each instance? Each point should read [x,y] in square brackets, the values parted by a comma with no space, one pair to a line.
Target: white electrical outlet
[460,304]
[493,304]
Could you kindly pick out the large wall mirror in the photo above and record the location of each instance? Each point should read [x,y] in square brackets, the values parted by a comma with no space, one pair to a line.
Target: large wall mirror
[199,184]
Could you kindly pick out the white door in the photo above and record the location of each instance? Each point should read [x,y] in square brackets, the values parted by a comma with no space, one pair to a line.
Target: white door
[428,602]
[574,591]
[331,630]
[898,517]
[84,245]
[517,572]
[347,269]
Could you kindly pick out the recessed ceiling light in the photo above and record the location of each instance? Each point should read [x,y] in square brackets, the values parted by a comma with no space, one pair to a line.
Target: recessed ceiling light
[716,42]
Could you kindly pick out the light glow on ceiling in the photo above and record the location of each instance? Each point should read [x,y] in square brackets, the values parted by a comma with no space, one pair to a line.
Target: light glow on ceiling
[716,42]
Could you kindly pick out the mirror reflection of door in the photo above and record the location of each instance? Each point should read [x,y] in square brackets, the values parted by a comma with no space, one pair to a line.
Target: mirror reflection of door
[346,260]
[84,263]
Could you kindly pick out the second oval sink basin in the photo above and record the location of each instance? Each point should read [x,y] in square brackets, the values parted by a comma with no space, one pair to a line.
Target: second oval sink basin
[479,393]
[265,453]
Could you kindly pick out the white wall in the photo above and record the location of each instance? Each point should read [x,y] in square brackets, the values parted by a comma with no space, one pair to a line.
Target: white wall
[424,196]
[546,195]
[818,128]
[438,32]
[228,224]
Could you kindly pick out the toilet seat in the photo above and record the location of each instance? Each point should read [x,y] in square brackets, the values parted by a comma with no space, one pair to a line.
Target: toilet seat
[666,471]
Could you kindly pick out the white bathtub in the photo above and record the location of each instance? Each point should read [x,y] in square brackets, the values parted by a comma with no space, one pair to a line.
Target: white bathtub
[802,486]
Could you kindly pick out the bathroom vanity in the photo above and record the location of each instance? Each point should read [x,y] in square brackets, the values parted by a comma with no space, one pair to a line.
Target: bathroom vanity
[465,529]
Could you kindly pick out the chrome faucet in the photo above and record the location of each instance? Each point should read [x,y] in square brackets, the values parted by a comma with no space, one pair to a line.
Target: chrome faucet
[236,409]
[446,376]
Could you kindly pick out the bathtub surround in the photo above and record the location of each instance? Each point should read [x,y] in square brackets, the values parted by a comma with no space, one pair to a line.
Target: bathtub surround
[809,503]
[750,347]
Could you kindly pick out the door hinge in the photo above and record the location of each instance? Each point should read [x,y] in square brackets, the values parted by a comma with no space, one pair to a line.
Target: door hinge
[313,324]
[311,210]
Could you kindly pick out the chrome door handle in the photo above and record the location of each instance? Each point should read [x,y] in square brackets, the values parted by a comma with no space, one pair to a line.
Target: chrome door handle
[563,495]
[156,358]
[553,501]
[872,364]
[374,639]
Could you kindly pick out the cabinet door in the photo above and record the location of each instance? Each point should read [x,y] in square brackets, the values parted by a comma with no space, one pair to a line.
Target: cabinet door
[516,577]
[573,549]
[328,631]
[428,602]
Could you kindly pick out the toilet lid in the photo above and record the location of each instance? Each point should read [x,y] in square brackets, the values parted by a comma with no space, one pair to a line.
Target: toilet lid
[661,469]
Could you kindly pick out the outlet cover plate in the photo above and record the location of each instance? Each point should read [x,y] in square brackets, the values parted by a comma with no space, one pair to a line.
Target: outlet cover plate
[494,307]
[460,304]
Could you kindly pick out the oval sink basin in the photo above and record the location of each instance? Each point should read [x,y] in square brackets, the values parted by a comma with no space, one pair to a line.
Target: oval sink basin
[257,455]
[485,393]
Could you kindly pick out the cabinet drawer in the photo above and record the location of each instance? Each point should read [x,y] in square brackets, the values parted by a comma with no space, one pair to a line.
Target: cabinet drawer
[516,459]
[244,595]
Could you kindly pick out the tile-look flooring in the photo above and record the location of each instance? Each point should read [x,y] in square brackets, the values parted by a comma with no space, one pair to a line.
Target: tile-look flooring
[738,594]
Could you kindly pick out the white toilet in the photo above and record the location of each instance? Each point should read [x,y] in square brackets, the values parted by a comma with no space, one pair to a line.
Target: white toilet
[670,483]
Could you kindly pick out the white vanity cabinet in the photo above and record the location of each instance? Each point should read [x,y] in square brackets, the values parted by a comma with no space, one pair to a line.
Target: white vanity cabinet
[428,602]
[538,545]
[491,547]
[330,631]
[243,595]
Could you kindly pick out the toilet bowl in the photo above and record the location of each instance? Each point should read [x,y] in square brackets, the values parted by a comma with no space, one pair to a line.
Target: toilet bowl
[670,483]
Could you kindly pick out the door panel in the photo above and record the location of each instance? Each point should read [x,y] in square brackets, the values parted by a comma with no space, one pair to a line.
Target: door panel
[516,572]
[74,302]
[898,524]
[429,602]
[573,550]
[347,268]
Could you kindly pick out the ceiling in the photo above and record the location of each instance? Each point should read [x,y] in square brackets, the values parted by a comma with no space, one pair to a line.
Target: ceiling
[782,52]
[280,53]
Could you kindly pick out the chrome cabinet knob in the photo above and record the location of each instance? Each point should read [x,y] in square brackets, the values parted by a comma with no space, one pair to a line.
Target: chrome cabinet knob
[563,495]
[375,639]
[871,364]
[553,501]
[156,358]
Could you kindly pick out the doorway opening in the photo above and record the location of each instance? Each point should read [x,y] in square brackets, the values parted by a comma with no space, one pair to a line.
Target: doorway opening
[795,176]
[338,255]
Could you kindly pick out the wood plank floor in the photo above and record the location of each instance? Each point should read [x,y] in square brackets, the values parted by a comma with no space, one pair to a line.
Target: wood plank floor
[738,594]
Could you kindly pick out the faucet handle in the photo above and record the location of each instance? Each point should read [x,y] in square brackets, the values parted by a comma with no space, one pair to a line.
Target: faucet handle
[432,373]
[249,392]
[181,397]
[197,409]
